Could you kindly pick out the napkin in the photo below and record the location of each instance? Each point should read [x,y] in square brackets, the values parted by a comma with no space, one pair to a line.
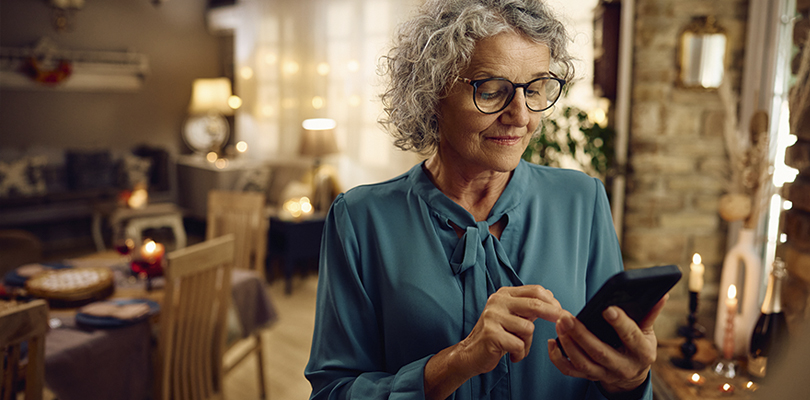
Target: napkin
[29,270]
[123,311]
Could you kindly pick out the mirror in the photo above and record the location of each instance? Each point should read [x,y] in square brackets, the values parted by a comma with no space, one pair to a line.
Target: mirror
[702,54]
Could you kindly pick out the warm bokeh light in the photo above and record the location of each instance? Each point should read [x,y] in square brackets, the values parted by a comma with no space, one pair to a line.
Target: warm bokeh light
[354,101]
[290,67]
[298,207]
[138,198]
[353,66]
[234,102]
[241,146]
[267,111]
[246,72]
[221,163]
[696,259]
[323,69]
[732,291]
[270,59]
[598,116]
[211,156]
[317,102]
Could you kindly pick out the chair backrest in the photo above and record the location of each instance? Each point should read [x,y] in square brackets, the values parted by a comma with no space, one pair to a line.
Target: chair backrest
[193,320]
[18,247]
[243,215]
[23,323]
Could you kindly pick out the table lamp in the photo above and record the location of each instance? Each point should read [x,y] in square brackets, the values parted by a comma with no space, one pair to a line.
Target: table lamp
[318,140]
[206,128]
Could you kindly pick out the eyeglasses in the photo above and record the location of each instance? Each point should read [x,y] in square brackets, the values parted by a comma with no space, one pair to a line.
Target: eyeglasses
[492,95]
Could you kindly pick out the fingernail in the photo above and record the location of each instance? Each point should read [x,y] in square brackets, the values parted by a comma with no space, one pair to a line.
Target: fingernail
[611,313]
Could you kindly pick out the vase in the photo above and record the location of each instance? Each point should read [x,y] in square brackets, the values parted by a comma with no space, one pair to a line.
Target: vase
[740,259]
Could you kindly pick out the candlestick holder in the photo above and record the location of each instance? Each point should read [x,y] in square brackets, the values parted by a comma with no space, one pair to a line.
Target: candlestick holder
[689,348]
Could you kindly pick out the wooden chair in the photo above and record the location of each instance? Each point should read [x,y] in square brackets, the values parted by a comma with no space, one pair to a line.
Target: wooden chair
[242,214]
[18,247]
[193,321]
[23,323]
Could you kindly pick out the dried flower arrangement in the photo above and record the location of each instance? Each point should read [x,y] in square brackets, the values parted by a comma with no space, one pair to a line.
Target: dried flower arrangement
[749,171]
[799,96]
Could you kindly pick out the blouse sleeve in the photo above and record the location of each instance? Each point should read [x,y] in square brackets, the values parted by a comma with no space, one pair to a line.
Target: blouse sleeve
[346,359]
[604,261]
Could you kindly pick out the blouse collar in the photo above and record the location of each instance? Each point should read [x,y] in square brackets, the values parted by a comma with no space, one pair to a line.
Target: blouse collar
[444,206]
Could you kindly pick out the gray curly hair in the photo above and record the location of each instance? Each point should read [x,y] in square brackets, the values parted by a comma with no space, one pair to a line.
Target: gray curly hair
[433,47]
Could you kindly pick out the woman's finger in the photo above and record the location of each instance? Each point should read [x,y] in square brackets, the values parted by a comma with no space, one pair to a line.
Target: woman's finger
[580,345]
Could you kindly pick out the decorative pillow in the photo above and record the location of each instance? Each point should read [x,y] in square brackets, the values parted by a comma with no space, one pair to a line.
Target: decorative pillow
[90,170]
[253,180]
[135,170]
[23,177]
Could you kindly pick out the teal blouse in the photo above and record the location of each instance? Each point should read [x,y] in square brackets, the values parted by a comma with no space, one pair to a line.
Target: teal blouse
[397,285]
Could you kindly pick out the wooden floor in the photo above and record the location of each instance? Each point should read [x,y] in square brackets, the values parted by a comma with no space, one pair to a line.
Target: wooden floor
[286,349]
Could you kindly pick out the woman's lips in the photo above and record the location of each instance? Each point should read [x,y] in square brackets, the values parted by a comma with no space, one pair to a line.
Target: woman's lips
[505,140]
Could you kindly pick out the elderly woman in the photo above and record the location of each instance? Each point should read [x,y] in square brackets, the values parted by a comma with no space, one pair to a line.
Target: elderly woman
[439,283]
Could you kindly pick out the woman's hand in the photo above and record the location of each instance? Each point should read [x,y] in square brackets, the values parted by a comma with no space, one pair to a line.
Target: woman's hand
[618,370]
[505,326]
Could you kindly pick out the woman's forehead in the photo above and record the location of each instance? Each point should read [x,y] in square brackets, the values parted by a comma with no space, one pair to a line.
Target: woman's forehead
[509,52]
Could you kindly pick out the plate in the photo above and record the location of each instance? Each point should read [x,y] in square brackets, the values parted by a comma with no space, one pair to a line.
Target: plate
[112,322]
[14,279]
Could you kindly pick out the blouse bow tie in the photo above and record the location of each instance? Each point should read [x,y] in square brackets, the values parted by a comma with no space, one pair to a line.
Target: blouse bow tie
[483,267]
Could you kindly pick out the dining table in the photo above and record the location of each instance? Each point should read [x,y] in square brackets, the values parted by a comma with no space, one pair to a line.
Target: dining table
[117,361]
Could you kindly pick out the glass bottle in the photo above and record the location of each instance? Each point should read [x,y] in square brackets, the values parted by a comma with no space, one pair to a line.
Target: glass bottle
[769,339]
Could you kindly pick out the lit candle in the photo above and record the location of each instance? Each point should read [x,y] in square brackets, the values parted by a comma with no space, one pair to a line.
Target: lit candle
[697,380]
[696,274]
[726,388]
[152,252]
[751,386]
[731,313]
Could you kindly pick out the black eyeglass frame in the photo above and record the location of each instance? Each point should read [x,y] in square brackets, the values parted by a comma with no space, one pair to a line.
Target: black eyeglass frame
[477,82]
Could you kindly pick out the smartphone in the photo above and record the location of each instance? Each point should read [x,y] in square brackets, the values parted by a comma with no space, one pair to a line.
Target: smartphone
[635,291]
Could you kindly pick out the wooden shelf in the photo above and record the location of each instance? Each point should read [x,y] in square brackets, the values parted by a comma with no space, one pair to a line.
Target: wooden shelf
[88,70]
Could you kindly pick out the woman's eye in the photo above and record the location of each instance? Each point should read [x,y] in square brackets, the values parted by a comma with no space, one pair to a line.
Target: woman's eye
[491,95]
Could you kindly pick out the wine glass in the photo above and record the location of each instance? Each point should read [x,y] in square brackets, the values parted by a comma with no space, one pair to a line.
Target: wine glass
[123,245]
[122,242]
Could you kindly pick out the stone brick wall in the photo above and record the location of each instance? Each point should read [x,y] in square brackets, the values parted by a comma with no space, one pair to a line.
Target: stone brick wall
[796,251]
[677,151]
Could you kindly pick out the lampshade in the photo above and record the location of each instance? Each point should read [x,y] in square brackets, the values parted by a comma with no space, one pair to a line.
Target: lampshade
[211,95]
[318,137]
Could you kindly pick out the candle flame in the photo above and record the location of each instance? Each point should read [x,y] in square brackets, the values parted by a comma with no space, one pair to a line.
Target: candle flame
[696,259]
[150,246]
[749,384]
[726,387]
[732,291]
[695,377]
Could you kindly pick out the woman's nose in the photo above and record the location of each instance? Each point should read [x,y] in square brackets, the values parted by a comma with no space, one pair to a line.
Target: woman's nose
[517,113]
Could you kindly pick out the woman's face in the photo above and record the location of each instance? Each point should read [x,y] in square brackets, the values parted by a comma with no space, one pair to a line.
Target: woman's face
[476,142]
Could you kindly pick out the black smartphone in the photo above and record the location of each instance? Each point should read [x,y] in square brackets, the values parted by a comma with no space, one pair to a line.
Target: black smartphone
[635,291]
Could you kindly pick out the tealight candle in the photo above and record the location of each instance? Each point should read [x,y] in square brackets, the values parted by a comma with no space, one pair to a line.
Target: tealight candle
[726,388]
[152,251]
[697,380]
[751,386]
[696,274]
